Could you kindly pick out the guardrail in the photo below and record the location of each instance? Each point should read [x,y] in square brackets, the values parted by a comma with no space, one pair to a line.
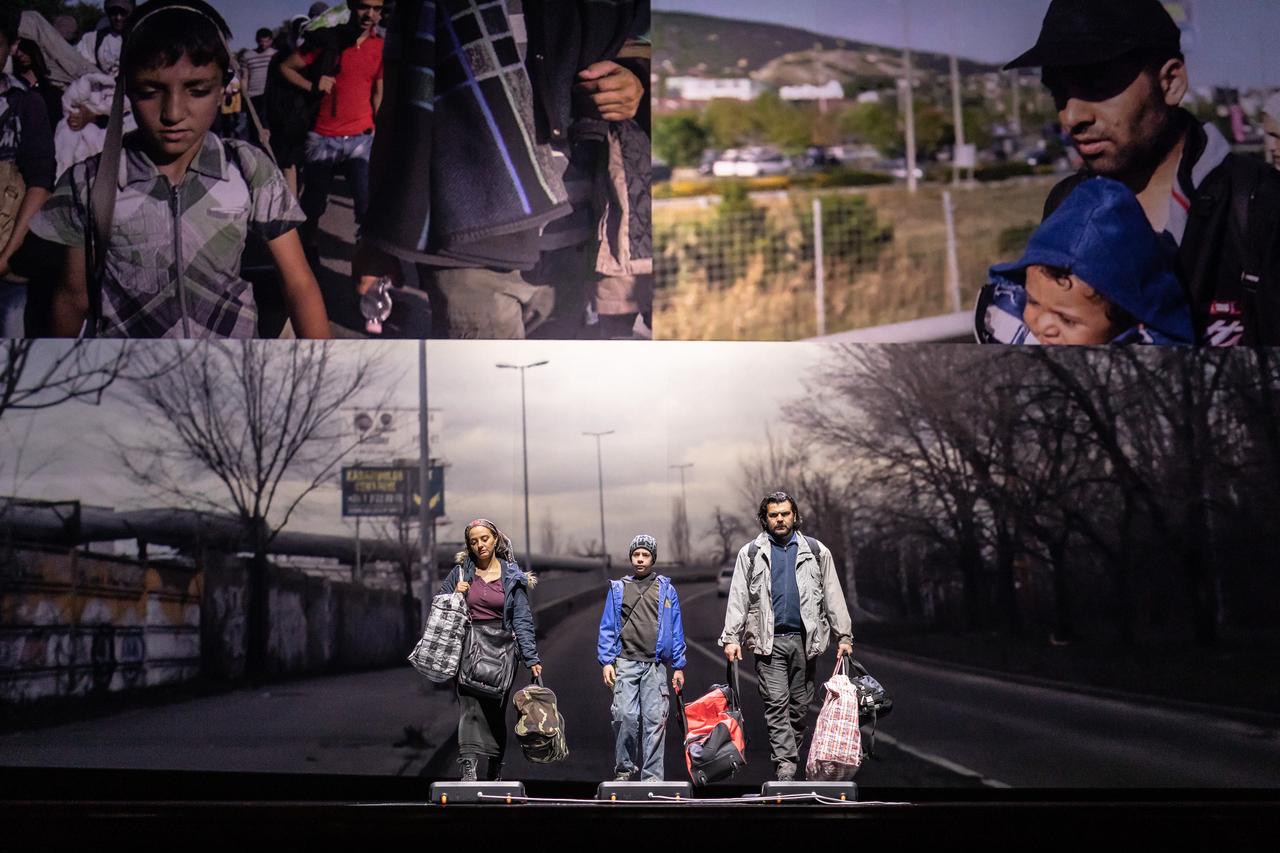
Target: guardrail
[944,328]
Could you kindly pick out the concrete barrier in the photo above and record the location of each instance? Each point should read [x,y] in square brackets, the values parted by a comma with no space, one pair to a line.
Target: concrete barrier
[75,624]
[316,625]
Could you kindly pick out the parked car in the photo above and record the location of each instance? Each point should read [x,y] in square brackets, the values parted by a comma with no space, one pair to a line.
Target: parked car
[726,165]
[1034,157]
[750,163]
[764,163]
[660,171]
[724,579]
[898,169]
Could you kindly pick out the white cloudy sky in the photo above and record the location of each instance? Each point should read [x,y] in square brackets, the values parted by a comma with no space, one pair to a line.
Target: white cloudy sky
[668,404]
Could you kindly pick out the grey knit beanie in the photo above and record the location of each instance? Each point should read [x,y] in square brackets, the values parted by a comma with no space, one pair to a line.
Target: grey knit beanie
[645,541]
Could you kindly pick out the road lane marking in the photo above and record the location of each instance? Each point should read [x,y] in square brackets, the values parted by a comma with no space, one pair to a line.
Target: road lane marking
[937,760]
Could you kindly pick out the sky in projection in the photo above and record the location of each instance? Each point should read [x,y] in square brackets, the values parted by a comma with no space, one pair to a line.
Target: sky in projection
[667,404]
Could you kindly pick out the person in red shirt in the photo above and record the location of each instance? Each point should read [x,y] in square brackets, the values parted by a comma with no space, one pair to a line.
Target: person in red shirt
[347,77]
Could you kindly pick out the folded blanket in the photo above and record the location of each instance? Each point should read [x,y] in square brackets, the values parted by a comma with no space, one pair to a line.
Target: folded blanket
[64,61]
[459,157]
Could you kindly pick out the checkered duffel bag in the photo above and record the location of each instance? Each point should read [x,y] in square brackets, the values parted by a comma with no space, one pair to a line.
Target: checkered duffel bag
[438,652]
[836,751]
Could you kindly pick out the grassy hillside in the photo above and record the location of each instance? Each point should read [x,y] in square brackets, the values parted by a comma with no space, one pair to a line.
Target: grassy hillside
[702,45]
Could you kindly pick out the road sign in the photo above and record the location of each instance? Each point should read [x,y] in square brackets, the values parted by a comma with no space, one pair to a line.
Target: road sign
[389,490]
[436,497]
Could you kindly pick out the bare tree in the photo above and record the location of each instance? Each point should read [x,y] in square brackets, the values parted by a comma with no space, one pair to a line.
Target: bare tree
[404,550]
[777,467]
[679,531]
[43,374]
[589,548]
[549,535]
[262,421]
[726,529]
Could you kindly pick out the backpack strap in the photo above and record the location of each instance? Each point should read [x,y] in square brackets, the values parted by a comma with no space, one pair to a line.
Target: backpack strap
[1255,221]
[102,209]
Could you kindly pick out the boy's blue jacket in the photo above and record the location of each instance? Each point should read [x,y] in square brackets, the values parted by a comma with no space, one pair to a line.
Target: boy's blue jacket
[1100,234]
[670,646]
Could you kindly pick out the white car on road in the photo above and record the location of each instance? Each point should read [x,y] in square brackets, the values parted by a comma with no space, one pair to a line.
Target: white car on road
[724,579]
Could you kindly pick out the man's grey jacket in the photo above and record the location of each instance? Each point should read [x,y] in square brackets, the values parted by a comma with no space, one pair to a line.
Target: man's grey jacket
[748,619]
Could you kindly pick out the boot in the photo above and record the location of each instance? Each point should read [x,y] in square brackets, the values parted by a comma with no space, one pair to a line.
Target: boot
[493,773]
[468,762]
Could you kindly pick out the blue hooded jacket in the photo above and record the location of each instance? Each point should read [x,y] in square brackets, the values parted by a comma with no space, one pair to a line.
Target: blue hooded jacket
[670,645]
[1100,234]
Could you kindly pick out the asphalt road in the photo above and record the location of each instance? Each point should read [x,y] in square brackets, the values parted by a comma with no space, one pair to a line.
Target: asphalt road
[568,653]
[1028,736]
[948,729]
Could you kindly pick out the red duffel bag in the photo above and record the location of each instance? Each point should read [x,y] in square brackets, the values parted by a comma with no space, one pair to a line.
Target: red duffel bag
[715,740]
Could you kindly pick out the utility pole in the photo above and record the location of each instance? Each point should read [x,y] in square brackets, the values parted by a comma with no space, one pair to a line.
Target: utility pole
[957,119]
[604,549]
[819,270]
[426,527]
[910,96]
[1015,123]
[524,438]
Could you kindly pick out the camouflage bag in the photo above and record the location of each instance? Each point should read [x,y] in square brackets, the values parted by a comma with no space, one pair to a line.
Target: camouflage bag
[540,727]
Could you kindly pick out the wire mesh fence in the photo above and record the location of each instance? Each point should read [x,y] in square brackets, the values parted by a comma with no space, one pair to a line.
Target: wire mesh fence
[745,267]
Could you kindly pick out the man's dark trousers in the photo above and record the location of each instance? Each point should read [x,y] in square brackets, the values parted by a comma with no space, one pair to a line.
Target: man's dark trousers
[786,685]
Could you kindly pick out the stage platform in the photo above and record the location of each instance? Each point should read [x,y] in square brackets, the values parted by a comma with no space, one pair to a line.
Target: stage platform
[54,810]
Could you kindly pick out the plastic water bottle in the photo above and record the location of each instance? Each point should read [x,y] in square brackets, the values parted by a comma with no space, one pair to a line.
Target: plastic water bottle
[375,305]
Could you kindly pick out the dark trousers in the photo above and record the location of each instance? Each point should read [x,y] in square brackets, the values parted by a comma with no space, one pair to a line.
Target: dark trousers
[786,686]
[325,155]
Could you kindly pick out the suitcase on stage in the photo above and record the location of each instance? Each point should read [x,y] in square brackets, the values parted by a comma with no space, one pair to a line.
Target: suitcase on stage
[490,793]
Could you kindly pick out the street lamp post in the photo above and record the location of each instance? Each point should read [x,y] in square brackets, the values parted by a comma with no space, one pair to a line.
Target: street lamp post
[604,549]
[524,438]
[426,526]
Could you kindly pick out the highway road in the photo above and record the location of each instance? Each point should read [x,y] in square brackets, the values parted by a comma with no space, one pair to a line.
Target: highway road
[948,729]
[584,701]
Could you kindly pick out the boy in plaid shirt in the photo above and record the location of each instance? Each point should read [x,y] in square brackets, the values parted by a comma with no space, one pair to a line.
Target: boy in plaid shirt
[185,201]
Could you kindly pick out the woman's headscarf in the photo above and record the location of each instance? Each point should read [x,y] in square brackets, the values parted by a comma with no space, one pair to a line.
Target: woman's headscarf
[504,550]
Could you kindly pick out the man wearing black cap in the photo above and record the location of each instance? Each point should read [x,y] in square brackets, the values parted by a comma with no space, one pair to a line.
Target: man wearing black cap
[1117,76]
[102,46]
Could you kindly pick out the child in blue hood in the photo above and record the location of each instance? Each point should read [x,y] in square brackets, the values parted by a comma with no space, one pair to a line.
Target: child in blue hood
[1094,272]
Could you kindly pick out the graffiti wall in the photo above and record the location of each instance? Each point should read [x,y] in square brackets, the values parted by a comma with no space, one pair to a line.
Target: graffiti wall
[75,625]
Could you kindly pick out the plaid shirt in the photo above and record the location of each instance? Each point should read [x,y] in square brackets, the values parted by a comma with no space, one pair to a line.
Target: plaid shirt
[172,269]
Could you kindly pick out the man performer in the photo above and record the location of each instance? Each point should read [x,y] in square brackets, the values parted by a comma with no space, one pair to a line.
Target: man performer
[1117,76]
[785,602]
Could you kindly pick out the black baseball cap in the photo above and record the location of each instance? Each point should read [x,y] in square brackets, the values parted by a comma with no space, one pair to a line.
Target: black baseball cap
[1085,32]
